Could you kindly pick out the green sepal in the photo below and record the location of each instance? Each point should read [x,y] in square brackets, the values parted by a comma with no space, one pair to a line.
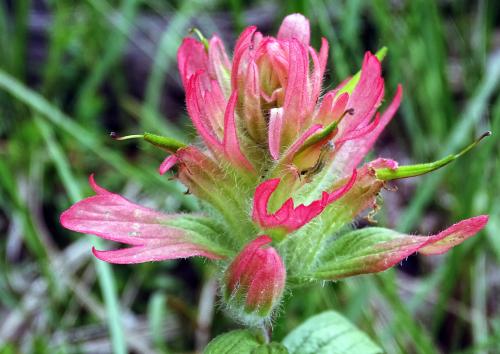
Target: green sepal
[351,84]
[169,144]
[387,174]
[329,333]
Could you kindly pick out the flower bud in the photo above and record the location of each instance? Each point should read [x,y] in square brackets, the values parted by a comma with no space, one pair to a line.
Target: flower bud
[254,282]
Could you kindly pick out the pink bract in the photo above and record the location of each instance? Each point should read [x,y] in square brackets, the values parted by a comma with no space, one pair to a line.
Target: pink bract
[112,217]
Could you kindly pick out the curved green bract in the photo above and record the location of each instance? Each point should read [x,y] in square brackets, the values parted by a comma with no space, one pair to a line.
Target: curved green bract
[387,174]
[163,142]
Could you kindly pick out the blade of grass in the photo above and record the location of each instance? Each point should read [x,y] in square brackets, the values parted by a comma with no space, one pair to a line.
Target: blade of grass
[422,341]
[479,300]
[106,10]
[21,15]
[238,15]
[164,126]
[165,53]
[157,312]
[10,184]
[337,56]
[115,46]
[60,39]
[4,36]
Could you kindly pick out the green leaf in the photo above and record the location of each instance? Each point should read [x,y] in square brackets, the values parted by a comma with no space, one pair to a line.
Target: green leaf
[271,348]
[241,341]
[329,333]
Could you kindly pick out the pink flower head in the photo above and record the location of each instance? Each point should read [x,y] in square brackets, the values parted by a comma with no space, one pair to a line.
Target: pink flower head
[255,280]
[274,159]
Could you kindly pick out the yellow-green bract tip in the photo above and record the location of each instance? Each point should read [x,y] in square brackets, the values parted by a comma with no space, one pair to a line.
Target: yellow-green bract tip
[381,53]
[200,36]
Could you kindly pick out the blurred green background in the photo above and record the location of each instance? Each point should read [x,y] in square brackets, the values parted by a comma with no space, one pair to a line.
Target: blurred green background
[72,71]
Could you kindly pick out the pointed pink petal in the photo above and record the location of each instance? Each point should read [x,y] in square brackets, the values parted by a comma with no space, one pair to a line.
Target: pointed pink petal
[112,217]
[191,57]
[167,164]
[365,144]
[367,95]
[276,54]
[96,188]
[323,55]
[231,144]
[213,104]
[217,56]
[325,107]
[331,108]
[361,132]
[240,50]
[275,131]
[295,26]
[339,106]
[219,64]
[252,110]
[454,235]
[296,96]
[316,78]
[197,112]
[351,153]
[288,217]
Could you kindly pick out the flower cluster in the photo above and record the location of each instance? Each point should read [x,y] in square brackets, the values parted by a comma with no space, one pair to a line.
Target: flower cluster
[278,172]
